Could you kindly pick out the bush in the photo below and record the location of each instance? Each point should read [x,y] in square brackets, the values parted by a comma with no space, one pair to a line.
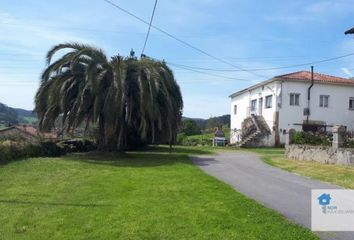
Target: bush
[190,127]
[78,145]
[349,143]
[197,140]
[311,138]
[50,149]
[10,150]
[181,137]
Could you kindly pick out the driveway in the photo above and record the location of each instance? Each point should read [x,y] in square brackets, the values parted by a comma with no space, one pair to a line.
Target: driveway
[285,192]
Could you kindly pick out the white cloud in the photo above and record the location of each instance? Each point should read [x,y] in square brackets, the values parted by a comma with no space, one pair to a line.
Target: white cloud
[347,71]
[23,46]
[25,34]
[314,12]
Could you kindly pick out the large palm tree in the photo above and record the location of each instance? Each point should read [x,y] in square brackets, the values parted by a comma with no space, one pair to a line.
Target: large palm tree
[132,101]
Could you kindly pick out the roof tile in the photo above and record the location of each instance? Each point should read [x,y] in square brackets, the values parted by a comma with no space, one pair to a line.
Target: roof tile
[318,77]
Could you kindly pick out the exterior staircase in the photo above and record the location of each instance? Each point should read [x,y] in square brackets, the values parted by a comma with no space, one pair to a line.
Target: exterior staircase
[254,129]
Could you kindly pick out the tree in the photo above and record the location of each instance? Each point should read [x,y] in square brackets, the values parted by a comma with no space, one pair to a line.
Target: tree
[132,101]
[215,122]
[190,127]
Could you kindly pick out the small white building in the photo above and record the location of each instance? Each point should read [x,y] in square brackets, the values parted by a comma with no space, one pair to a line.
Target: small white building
[261,113]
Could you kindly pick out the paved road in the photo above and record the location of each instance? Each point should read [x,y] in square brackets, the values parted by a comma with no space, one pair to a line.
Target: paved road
[287,193]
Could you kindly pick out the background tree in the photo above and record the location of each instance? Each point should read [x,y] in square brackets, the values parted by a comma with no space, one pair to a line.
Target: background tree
[215,122]
[132,101]
[190,127]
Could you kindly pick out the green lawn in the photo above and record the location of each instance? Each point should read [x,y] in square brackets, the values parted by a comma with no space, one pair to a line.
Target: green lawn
[137,195]
[339,175]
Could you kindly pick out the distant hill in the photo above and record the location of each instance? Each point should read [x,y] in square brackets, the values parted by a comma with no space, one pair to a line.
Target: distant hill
[211,123]
[25,113]
[214,122]
[8,115]
[199,121]
[11,116]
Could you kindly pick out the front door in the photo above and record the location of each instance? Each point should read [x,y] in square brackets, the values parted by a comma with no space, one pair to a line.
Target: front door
[260,106]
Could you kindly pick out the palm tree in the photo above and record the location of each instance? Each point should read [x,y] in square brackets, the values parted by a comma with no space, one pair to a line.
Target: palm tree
[132,101]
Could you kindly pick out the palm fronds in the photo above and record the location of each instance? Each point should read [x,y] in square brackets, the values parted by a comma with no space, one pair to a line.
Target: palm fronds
[130,100]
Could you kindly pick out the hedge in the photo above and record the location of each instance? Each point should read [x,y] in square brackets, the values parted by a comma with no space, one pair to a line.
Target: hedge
[10,150]
[195,140]
[311,138]
[78,145]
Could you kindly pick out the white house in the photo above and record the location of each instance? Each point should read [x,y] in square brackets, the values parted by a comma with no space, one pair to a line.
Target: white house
[261,113]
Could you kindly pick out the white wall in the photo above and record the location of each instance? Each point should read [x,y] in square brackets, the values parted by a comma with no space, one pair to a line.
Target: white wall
[337,113]
[243,102]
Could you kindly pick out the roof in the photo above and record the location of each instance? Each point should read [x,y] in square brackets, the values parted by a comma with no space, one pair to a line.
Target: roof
[317,77]
[31,131]
[301,76]
[350,31]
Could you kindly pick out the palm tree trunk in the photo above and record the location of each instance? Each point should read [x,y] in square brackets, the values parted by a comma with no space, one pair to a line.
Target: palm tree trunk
[101,132]
[170,137]
[170,147]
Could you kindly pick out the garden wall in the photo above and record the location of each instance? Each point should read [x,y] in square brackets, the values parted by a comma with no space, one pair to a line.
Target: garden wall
[322,154]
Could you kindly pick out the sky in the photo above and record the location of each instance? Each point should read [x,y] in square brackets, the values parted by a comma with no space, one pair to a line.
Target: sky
[244,34]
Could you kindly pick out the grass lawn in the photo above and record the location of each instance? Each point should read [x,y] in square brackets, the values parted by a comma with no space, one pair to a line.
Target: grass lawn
[137,195]
[339,175]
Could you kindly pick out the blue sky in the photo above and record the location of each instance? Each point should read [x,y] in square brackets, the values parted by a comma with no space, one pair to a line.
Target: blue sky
[249,34]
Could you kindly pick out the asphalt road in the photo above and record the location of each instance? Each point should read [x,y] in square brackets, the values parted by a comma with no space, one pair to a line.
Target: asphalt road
[285,192]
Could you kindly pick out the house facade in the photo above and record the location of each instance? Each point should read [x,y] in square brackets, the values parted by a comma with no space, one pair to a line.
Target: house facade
[296,100]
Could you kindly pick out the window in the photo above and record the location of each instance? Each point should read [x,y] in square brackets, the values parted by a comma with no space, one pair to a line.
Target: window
[253,105]
[324,99]
[235,109]
[268,101]
[294,99]
[351,103]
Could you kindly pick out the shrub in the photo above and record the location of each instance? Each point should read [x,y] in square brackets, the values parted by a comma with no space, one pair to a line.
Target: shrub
[311,138]
[349,143]
[10,150]
[50,149]
[197,140]
[78,145]
[190,127]
[181,138]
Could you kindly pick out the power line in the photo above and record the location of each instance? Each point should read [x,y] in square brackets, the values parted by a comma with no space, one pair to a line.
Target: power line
[197,69]
[264,69]
[233,59]
[148,32]
[180,40]
[212,74]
